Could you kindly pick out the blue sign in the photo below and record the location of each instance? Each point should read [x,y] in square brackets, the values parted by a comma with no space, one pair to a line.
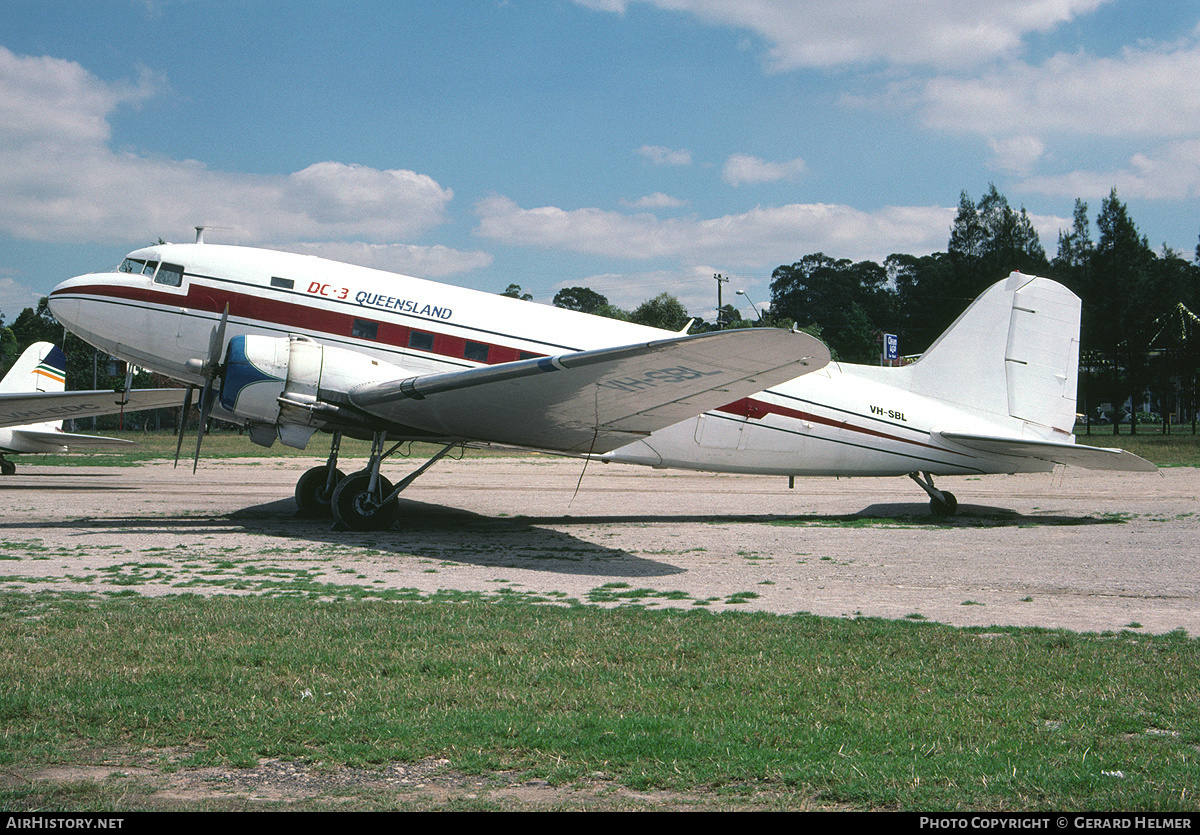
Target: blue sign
[890,346]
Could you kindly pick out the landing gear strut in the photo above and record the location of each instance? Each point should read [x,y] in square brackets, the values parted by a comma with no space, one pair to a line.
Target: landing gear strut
[314,490]
[361,501]
[941,502]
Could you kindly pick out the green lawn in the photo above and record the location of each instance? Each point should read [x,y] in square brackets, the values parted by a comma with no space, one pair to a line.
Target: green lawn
[860,713]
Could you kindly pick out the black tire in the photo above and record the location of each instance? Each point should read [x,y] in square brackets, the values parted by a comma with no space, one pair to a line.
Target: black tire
[313,498]
[7,468]
[357,509]
[944,509]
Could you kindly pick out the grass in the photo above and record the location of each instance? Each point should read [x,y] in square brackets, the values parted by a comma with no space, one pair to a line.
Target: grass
[863,713]
[1179,449]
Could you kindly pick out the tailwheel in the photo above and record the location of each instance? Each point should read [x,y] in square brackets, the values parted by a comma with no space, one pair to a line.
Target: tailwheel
[942,503]
[314,491]
[359,508]
[947,506]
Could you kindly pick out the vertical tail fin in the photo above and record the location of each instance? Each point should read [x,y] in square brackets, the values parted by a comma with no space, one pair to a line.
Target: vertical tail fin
[42,367]
[1012,356]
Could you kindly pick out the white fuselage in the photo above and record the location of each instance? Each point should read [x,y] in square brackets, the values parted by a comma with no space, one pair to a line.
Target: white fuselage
[843,420]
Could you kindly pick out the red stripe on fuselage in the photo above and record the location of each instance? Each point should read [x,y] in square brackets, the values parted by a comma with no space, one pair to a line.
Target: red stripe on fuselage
[749,407]
[291,315]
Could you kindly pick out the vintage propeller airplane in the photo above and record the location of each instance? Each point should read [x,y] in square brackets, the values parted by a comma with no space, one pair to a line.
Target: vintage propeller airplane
[32,391]
[287,344]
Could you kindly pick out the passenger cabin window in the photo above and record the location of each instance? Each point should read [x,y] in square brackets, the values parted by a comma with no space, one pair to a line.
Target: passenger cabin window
[420,340]
[285,283]
[476,352]
[170,275]
[364,329]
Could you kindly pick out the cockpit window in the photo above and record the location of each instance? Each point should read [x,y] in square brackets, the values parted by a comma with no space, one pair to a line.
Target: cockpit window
[131,265]
[169,274]
[151,266]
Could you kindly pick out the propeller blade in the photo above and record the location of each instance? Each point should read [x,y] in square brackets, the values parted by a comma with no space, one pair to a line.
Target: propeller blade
[210,369]
[206,398]
[216,342]
[187,408]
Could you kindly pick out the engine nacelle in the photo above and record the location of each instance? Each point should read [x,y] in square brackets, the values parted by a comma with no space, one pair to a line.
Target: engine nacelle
[279,381]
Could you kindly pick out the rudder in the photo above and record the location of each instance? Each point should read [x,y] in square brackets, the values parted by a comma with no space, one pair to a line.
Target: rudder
[1012,356]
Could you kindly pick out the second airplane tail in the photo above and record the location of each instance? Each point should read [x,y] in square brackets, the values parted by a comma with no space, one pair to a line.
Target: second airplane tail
[41,367]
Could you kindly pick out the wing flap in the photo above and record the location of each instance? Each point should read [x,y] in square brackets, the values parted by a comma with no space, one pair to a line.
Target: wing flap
[594,401]
[1077,455]
[18,409]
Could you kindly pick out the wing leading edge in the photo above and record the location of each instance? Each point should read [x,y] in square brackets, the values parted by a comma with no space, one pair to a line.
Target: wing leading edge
[21,408]
[595,401]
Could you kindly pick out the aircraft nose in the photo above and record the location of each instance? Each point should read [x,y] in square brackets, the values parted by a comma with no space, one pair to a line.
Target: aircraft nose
[62,304]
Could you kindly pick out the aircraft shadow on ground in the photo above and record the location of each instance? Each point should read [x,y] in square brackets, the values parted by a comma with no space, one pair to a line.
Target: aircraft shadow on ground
[449,534]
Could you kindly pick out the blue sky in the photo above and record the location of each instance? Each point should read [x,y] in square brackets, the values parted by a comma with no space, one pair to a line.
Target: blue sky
[632,146]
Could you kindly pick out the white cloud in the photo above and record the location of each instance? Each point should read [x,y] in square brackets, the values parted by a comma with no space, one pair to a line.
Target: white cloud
[1171,172]
[15,297]
[658,200]
[407,259]
[762,237]
[48,100]
[1143,92]
[743,168]
[820,34]
[665,156]
[1016,154]
[62,182]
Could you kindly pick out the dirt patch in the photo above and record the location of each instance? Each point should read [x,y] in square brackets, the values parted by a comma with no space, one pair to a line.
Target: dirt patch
[136,780]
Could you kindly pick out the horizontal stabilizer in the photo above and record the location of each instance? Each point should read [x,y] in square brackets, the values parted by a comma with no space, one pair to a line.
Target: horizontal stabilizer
[595,401]
[20,408]
[1076,455]
[71,439]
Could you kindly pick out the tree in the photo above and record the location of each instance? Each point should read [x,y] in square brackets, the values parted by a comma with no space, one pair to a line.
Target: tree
[663,311]
[1075,247]
[514,292]
[990,240]
[1117,306]
[582,299]
[850,302]
[925,300]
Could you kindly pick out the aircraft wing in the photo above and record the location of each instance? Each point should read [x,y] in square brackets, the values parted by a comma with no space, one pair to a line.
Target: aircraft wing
[595,401]
[20,408]
[72,440]
[1078,455]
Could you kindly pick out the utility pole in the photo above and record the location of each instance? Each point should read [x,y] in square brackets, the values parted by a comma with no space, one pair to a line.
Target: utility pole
[720,311]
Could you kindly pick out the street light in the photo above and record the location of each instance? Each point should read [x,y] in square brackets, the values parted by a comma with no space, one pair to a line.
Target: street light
[752,305]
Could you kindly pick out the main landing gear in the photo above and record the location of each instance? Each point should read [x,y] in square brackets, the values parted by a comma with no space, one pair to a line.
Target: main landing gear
[7,467]
[361,501]
[941,502]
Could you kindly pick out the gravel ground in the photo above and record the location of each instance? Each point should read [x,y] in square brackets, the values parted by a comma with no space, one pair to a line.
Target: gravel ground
[1074,549]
